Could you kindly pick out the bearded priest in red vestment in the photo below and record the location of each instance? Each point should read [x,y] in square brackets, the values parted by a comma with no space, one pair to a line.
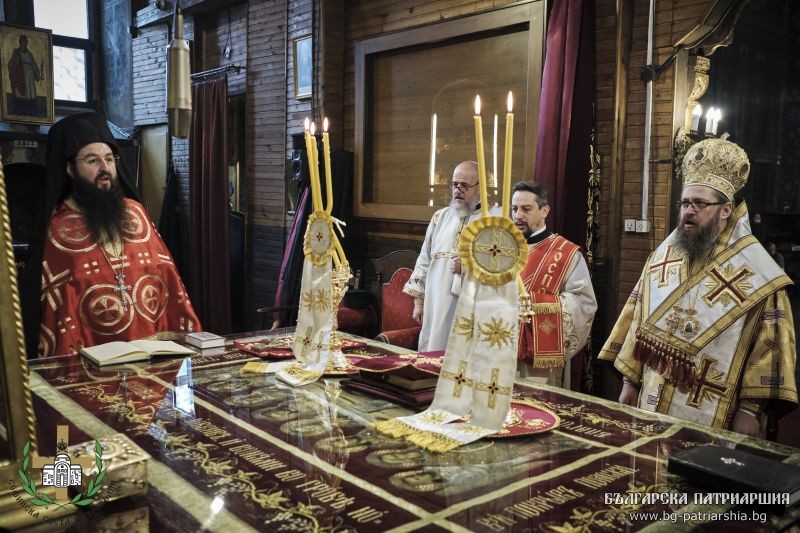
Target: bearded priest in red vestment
[106,274]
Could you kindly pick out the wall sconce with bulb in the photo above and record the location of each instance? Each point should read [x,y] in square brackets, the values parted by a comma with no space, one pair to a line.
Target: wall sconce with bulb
[697,112]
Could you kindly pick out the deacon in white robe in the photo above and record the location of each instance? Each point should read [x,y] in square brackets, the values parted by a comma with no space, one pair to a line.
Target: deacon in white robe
[436,281]
[557,279]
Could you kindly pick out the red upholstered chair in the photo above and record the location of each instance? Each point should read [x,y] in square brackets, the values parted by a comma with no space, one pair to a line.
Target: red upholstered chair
[398,328]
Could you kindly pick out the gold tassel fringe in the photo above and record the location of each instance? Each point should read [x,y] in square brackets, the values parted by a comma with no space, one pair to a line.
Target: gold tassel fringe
[427,440]
[548,361]
[545,308]
[394,428]
[433,442]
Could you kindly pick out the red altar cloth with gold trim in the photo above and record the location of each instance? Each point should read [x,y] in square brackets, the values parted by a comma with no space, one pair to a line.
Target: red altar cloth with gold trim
[309,459]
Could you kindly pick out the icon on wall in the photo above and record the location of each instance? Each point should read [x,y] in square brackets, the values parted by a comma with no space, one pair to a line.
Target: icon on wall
[26,61]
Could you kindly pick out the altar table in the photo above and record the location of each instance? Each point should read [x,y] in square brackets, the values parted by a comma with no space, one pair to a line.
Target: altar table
[238,452]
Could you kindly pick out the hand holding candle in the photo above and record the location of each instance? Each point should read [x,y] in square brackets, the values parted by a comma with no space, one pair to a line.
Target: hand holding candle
[506,198]
[481,161]
[326,154]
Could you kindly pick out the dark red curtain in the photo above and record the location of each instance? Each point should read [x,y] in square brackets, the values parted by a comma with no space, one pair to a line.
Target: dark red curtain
[565,117]
[208,190]
[565,128]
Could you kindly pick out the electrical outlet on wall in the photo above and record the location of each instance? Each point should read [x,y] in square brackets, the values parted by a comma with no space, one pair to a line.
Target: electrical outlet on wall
[630,224]
[642,226]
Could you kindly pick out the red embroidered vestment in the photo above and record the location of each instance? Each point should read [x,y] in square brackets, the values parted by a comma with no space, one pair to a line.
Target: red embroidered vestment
[89,296]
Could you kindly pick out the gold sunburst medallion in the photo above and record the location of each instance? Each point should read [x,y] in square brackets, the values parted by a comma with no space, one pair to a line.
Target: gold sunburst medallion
[493,249]
[318,242]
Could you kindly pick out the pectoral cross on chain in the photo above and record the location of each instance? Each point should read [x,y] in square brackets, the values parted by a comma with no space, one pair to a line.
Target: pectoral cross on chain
[121,288]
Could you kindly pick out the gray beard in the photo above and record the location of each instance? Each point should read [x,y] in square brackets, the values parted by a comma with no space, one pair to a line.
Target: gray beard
[698,245]
[465,210]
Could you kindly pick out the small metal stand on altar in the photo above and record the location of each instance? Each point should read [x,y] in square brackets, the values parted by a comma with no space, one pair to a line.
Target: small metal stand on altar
[339,282]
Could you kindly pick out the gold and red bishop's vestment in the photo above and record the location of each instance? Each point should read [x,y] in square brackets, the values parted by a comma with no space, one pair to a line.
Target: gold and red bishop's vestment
[85,300]
[563,302]
[701,342]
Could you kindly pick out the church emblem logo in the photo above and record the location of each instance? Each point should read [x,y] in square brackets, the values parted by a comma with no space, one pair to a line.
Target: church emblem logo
[61,472]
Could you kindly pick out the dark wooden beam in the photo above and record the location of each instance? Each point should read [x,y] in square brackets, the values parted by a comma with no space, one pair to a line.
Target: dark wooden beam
[621,67]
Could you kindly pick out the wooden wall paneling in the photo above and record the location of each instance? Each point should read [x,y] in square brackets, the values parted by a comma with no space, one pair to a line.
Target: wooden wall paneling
[269,27]
[332,72]
[672,21]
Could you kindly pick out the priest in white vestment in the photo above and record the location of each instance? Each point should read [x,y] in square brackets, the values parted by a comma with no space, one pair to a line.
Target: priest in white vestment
[436,281]
[707,333]
[557,279]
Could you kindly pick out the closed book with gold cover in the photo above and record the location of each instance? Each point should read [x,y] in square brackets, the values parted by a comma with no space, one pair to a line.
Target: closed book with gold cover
[731,470]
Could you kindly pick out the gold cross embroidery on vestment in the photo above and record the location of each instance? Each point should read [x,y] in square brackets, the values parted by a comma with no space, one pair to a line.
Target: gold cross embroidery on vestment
[460,378]
[493,388]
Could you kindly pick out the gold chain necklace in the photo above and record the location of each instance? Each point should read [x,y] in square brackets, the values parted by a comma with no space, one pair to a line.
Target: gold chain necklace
[121,287]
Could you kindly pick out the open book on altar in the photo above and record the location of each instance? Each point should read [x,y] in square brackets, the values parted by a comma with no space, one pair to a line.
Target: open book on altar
[112,353]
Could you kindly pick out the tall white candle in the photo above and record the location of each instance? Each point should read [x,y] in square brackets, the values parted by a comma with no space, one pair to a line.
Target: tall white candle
[432,170]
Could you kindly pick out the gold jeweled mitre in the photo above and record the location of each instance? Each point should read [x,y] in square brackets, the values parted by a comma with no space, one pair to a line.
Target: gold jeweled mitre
[716,163]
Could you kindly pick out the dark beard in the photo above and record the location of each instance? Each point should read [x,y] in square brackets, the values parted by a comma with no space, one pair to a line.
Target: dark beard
[103,209]
[699,244]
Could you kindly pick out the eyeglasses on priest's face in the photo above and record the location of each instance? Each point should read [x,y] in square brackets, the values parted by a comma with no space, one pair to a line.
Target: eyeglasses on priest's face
[697,205]
[462,186]
[95,160]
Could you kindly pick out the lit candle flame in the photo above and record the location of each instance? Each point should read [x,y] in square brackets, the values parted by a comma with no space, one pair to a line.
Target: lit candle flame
[510,101]
[313,129]
[477,104]
[305,124]
[325,124]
